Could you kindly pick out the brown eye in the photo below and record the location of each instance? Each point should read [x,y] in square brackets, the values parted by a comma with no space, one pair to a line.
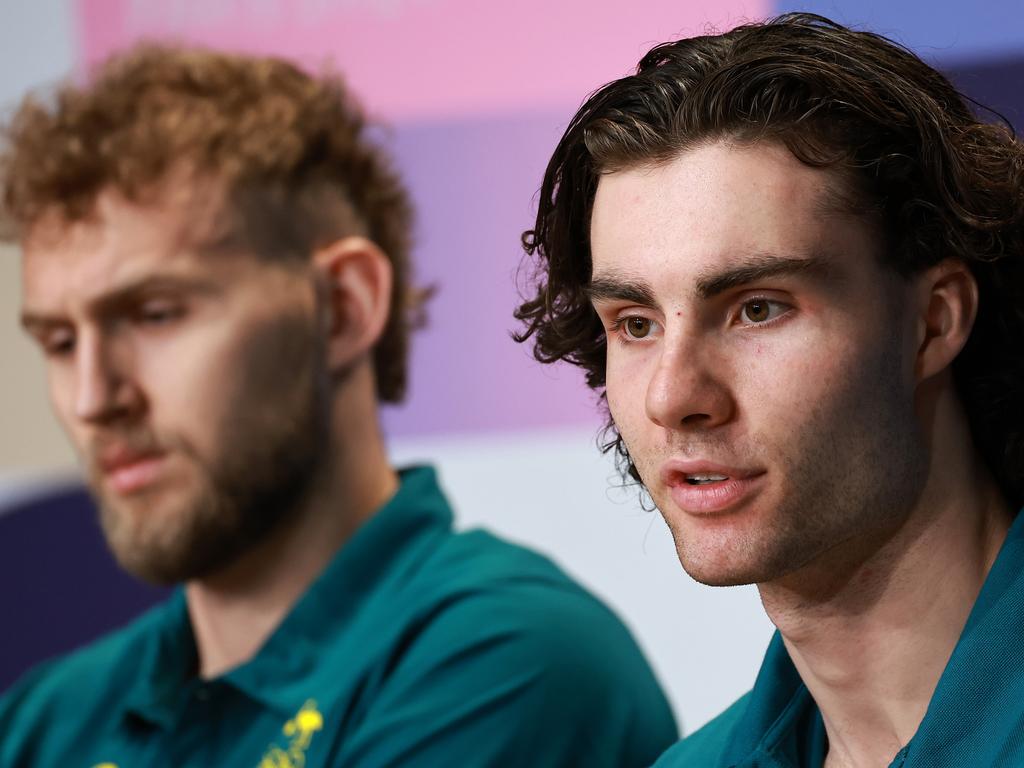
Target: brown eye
[638,327]
[757,311]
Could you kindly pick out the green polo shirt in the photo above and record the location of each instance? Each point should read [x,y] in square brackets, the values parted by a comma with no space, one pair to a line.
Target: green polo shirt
[974,720]
[417,646]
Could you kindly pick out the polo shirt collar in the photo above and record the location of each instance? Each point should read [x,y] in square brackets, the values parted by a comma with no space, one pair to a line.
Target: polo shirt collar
[977,702]
[982,682]
[279,675]
[780,722]
[166,664]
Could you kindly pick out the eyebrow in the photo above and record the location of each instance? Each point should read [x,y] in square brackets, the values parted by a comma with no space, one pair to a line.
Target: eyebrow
[761,267]
[126,294]
[33,322]
[616,287]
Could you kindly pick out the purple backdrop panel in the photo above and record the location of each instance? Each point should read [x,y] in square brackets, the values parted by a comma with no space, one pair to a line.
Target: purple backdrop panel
[474,182]
[938,31]
[425,57]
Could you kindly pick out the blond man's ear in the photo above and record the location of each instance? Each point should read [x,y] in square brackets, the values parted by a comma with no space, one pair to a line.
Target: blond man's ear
[356,279]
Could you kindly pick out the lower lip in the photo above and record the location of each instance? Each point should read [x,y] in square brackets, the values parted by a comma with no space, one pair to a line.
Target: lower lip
[134,477]
[712,498]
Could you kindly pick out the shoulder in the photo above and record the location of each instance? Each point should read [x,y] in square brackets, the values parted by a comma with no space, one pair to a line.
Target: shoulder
[706,746]
[477,561]
[511,637]
[524,597]
[48,702]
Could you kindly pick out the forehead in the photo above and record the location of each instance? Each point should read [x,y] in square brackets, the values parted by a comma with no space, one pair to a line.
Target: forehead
[120,241]
[717,204]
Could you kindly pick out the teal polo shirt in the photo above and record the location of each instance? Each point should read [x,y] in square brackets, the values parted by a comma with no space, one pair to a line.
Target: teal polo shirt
[974,720]
[417,646]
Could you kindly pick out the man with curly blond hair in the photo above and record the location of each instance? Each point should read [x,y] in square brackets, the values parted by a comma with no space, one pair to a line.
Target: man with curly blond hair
[216,268]
[791,260]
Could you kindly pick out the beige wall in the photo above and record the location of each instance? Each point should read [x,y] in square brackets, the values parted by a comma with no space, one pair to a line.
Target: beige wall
[37,47]
[30,440]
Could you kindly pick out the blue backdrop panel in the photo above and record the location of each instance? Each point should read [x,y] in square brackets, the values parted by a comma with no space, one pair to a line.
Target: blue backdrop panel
[996,84]
[61,588]
[941,32]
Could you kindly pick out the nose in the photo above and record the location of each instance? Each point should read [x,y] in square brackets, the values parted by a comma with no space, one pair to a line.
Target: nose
[689,390]
[103,389]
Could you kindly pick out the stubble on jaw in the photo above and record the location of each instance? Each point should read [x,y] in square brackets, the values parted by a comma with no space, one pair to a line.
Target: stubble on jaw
[271,444]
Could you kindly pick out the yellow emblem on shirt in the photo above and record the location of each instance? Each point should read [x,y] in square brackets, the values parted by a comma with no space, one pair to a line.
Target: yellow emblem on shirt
[299,730]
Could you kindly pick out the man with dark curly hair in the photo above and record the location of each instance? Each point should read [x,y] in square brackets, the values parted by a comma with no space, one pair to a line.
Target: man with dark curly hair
[791,259]
[216,269]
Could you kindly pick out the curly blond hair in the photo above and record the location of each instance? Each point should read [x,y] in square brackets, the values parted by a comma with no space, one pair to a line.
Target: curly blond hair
[290,150]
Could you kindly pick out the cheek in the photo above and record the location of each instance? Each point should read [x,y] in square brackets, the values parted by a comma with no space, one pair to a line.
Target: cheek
[222,380]
[783,378]
[828,390]
[275,369]
[626,389]
[60,388]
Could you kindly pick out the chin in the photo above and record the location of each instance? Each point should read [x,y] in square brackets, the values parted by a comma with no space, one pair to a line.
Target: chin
[740,561]
[724,555]
[161,562]
[150,536]
[720,574]
[140,516]
[726,549]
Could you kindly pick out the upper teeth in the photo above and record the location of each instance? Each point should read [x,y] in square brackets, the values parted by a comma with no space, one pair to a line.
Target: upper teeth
[705,478]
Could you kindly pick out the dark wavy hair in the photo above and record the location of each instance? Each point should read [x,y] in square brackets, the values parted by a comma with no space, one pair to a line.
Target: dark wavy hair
[913,154]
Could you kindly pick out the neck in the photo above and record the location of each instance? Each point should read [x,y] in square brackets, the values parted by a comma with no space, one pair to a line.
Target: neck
[234,610]
[871,635]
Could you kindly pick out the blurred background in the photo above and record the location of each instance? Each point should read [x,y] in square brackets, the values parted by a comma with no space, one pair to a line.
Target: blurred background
[472,97]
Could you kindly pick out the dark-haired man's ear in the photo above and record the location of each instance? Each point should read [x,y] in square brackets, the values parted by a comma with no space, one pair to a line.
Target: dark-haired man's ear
[949,304]
[355,278]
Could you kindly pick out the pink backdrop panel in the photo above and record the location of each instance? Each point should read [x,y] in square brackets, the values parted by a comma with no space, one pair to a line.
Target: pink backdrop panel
[417,58]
